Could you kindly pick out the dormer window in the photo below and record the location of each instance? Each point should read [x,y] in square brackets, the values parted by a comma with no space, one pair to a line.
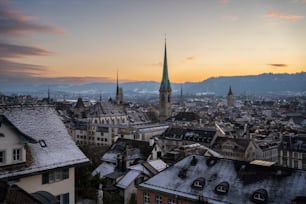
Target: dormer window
[199,183]
[260,196]
[222,188]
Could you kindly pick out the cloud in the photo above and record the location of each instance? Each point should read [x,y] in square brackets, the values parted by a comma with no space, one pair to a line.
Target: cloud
[36,80]
[278,65]
[13,22]
[15,69]
[283,16]
[189,59]
[17,51]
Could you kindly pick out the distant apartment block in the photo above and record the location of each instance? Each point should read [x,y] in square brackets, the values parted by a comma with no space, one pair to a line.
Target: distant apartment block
[292,151]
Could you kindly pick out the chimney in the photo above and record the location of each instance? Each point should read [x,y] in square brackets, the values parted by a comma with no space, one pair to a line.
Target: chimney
[151,142]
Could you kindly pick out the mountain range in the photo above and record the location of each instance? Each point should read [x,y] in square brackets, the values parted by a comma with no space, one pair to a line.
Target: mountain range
[263,84]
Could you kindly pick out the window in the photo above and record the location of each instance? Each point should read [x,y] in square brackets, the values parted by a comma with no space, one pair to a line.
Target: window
[42,143]
[295,155]
[171,201]
[2,157]
[158,199]
[17,155]
[146,198]
[295,164]
[63,198]
[55,176]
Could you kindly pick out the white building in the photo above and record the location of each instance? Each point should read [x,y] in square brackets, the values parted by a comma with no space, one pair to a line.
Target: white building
[37,153]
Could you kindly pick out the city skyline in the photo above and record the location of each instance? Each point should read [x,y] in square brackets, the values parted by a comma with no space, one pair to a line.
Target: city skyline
[88,42]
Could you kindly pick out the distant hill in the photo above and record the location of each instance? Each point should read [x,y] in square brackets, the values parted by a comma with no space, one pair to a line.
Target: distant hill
[263,84]
[258,84]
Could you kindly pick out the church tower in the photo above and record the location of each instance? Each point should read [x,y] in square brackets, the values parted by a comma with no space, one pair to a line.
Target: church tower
[119,93]
[230,98]
[165,92]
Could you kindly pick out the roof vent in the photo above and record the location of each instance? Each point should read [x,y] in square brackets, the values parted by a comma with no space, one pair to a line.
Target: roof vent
[183,173]
[194,161]
[211,161]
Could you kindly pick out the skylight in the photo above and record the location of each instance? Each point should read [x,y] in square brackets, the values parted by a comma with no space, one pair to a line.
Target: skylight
[42,143]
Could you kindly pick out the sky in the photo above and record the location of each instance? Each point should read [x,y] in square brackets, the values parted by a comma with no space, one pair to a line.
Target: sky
[78,41]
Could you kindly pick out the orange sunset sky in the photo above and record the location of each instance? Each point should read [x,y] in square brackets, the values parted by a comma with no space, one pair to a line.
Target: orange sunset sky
[88,41]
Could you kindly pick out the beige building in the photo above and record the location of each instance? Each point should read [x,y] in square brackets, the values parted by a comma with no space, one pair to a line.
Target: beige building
[36,152]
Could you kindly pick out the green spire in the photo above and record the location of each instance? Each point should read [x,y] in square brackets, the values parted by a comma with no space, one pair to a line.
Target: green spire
[165,83]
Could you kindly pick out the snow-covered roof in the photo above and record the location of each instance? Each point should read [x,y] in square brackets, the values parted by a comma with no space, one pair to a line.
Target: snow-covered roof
[282,184]
[131,149]
[104,169]
[43,123]
[140,167]
[158,164]
[128,178]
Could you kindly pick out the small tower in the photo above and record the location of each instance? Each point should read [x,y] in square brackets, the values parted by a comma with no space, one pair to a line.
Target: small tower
[165,92]
[230,98]
[48,95]
[119,93]
[181,96]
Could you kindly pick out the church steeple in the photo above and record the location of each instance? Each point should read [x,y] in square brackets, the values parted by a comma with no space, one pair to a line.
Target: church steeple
[165,91]
[230,91]
[165,83]
[230,98]
[119,92]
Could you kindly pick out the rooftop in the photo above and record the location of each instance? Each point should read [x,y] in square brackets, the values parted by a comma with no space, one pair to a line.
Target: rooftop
[43,124]
[281,184]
